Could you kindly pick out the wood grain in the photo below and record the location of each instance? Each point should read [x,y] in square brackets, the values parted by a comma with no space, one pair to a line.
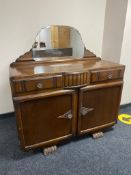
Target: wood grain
[87,89]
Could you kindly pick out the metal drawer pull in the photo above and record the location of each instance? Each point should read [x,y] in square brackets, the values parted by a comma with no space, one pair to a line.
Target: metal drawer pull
[85,111]
[39,85]
[67,115]
[110,76]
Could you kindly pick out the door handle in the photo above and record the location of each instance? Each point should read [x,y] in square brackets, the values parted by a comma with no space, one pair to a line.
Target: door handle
[67,115]
[85,110]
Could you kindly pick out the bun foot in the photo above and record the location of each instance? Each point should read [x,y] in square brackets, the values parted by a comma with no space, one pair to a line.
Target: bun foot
[49,150]
[97,135]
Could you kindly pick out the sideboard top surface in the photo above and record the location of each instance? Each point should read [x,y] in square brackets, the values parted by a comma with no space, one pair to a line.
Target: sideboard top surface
[27,69]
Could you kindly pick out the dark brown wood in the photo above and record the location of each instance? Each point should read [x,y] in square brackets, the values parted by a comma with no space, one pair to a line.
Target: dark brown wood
[57,98]
[40,120]
[75,79]
[26,57]
[88,53]
[102,102]
[47,114]
[104,75]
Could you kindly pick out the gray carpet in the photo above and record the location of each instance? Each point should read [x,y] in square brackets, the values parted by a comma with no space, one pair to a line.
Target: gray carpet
[110,155]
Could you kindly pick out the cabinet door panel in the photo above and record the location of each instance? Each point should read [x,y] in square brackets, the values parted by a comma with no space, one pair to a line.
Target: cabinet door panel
[98,107]
[47,118]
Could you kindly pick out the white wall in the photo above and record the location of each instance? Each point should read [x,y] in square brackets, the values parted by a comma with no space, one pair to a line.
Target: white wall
[113,29]
[20,20]
[126,57]
[117,40]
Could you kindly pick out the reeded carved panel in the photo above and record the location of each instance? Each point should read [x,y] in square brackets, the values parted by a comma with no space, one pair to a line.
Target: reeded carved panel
[76,79]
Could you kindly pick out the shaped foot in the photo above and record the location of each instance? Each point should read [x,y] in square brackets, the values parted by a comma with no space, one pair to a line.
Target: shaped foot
[49,150]
[97,135]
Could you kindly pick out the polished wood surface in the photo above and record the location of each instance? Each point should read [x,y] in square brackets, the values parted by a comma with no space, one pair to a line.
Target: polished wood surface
[47,113]
[104,102]
[58,66]
[41,124]
[60,97]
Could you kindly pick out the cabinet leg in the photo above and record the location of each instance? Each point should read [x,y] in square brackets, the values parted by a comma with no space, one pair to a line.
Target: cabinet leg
[97,135]
[49,150]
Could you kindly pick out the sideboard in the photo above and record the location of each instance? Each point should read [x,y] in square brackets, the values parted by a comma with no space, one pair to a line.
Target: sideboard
[61,96]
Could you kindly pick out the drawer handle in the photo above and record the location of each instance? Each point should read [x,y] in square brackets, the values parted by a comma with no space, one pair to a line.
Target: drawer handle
[110,76]
[67,115]
[85,111]
[39,85]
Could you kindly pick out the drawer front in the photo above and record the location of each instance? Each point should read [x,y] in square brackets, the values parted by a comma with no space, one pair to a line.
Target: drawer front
[35,84]
[76,79]
[104,75]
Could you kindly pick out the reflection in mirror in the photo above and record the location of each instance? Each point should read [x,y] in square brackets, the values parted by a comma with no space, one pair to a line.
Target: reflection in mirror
[58,41]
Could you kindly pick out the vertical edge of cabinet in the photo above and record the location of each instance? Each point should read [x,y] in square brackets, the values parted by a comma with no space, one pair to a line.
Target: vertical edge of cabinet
[74,108]
[119,100]
[19,125]
[79,112]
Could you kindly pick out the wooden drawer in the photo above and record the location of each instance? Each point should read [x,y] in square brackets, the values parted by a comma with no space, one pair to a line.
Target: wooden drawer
[35,84]
[104,75]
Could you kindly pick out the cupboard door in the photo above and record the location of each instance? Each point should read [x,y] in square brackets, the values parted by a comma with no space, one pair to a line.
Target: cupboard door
[45,118]
[99,106]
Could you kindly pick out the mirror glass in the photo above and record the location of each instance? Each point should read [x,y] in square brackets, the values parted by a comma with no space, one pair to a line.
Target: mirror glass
[58,41]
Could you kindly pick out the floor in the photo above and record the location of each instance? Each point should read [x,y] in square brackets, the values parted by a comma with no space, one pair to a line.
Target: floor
[110,155]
